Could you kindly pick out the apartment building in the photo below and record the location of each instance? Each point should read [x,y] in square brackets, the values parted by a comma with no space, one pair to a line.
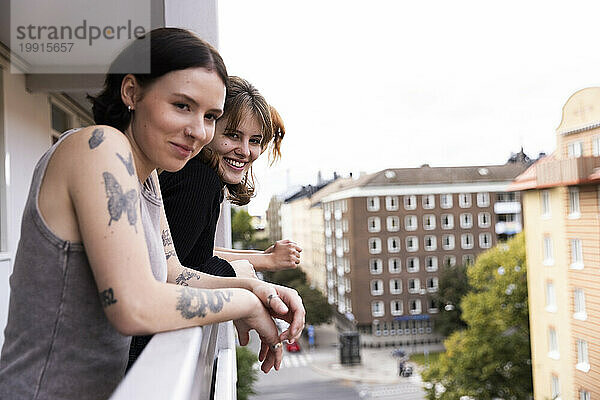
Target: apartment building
[388,235]
[561,210]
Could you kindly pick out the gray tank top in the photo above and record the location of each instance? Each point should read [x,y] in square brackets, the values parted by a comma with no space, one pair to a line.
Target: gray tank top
[58,342]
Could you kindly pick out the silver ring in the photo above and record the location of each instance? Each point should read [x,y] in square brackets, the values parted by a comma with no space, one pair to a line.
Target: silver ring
[275,346]
[269,298]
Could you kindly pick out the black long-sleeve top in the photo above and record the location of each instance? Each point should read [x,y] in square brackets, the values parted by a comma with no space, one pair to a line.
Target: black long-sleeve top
[192,199]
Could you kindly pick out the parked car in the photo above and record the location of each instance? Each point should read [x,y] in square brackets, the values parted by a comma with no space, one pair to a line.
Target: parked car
[293,347]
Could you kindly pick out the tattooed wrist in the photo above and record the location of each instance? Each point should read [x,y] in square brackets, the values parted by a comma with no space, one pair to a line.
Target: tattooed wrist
[195,302]
[107,297]
[183,278]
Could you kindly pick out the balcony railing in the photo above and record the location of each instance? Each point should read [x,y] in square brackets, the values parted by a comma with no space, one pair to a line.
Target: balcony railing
[566,171]
[194,363]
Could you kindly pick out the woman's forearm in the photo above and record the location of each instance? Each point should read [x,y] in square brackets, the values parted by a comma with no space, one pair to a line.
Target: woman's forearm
[260,261]
[236,251]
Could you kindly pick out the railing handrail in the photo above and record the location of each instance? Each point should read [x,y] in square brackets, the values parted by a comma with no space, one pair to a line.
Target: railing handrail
[179,365]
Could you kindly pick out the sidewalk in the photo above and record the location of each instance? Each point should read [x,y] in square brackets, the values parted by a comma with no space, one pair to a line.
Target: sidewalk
[378,366]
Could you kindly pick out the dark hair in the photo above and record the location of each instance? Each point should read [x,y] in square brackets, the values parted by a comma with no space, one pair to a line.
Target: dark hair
[171,49]
[244,99]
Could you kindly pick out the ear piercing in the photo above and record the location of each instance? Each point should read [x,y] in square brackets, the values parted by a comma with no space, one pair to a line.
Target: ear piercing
[129,108]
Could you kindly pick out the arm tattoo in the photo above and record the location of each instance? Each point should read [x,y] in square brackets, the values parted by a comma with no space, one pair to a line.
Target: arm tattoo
[97,138]
[194,302]
[185,276]
[170,254]
[107,297]
[128,163]
[119,202]
[166,238]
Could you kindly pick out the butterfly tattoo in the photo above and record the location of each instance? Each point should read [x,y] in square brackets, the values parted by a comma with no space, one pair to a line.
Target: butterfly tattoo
[128,163]
[119,202]
[97,138]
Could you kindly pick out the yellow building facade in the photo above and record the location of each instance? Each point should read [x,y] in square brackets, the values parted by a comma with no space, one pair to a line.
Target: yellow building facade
[561,212]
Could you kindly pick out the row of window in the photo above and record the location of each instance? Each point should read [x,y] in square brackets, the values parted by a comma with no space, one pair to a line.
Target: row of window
[395,286]
[575,148]
[579,311]
[428,201]
[413,263]
[393,328]
[555,388]
[484,220]
[397,307]
[430,243]
[583,363]
[574,209]
[575,246]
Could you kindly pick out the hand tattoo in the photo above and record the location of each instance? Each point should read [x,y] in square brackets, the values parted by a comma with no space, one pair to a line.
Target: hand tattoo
[119,202]
[193,302]
[107,297]
[97,138]
[128,163]
[185,276]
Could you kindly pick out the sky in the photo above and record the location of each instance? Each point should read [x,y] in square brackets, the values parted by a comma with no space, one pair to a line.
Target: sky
[364,86]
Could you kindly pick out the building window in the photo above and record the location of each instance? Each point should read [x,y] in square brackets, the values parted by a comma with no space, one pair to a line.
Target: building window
[374,245]
[60,119]
[414,306]
[377,309]
[575,149]
[395,286]
[448,242]
[372,203]
[410,223]
[449,261]
[553,344]
[394,265]
[412,243]
[483,199]
[548,258]
[584,395]
[545,203]
[555,387]
[376,287]
[447,221]
[432,284]
[468,259]
[346,244]
[550,297]
[391,203]
[431,263]
[412,264]
[428,201]
[484,220]
[375,266]
[428,222]
[579,302]
[410,202]
[583,362]
[446,200]
[414,285]
[576,254]
[466,220]
[573,202]
[374,224]
[466,241]
[432,309]
[393,224]
[430,242]
[396,307]
[393,244]
[464,200]
[485,240]
[345,226]
[596,146]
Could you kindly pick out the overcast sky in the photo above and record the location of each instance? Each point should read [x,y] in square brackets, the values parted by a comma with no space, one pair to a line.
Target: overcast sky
[364,86]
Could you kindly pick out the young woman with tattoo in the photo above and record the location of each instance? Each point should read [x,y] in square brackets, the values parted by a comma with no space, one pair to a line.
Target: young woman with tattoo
[90,269]
[193,195]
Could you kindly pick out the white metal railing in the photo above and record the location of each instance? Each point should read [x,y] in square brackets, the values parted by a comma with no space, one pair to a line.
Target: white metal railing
[180,365]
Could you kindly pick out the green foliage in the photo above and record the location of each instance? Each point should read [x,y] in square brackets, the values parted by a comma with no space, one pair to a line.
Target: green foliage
[246,376]
[318,310]
[491,357]
[241,226]
[453,285]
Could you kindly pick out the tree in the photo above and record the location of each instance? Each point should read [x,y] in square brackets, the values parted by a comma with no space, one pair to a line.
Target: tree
[490,358]
[241,226]
[452,287]
[246,375]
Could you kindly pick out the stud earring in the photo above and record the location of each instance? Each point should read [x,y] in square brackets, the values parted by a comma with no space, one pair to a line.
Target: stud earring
[129,108]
